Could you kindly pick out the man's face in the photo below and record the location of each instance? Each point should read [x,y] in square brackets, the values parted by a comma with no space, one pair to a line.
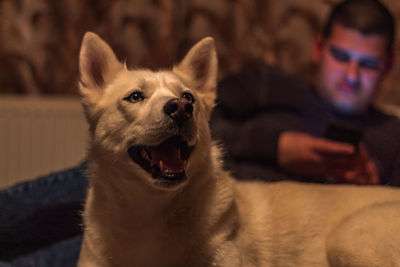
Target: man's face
[351,67]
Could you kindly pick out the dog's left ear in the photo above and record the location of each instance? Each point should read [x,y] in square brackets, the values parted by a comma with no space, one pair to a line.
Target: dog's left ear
[200,65]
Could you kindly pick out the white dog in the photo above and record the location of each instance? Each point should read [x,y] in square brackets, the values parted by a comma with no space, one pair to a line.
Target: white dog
[158,195]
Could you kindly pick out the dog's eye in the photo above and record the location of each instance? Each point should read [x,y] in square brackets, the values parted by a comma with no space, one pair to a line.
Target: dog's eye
[134,97]
[188,96]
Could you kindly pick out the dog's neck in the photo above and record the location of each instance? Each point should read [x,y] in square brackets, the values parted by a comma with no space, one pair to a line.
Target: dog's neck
[135,213]
[117,187]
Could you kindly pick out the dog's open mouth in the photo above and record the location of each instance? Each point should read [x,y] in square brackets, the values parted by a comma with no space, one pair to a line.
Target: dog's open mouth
[166,161]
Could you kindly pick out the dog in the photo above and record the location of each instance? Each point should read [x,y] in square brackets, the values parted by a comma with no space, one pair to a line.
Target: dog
[159,195]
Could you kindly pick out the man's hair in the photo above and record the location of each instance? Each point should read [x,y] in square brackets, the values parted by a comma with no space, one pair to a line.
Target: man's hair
[365,16]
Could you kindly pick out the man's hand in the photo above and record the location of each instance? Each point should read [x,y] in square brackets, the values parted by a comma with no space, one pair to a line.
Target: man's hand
[364,170]
[303,154]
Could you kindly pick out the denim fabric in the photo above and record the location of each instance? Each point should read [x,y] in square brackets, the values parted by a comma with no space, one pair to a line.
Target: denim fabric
[40,214]
[62,254]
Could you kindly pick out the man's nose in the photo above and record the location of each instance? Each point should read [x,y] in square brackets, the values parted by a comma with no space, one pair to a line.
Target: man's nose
[353,72]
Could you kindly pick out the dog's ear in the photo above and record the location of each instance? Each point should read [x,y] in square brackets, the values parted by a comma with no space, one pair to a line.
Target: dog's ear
[98,65]
[200,65]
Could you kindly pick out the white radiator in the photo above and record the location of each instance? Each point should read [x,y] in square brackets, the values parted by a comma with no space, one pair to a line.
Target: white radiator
[39,135]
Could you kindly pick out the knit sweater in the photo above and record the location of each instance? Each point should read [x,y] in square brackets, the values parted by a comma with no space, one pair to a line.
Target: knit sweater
[257,104]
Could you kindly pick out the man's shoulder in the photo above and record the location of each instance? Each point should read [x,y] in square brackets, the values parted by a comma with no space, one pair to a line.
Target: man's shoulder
[259,87]
[388,111]
[385,126]
[388,115]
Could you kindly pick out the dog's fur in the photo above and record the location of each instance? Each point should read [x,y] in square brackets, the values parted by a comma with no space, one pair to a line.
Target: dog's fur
[190,212]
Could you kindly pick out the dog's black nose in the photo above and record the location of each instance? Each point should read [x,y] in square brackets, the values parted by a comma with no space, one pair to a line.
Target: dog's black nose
[179,109]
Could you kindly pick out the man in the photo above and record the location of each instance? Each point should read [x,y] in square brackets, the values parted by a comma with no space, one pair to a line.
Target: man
[273,126]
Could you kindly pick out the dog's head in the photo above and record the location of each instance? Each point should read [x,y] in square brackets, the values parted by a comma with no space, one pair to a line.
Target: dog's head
[155,121]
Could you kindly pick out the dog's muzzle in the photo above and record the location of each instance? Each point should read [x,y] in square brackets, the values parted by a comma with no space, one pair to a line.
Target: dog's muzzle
[166,162]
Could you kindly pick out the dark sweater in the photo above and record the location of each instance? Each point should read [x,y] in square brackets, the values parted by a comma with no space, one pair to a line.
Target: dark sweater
[256,105]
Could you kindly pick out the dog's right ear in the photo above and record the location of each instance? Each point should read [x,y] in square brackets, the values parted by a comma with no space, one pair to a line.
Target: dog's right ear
[200,65]
[98,66]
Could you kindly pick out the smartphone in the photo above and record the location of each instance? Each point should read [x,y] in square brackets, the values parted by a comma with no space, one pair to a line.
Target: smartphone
[342,132]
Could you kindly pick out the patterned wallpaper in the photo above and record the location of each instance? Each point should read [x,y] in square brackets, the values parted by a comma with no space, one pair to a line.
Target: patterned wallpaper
[40,39]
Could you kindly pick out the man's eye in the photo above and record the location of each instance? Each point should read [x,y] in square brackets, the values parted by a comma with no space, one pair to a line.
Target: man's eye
[134,97]
[371,65]
[339,55]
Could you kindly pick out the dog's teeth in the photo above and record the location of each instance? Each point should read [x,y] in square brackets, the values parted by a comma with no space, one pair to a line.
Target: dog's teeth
[169,172]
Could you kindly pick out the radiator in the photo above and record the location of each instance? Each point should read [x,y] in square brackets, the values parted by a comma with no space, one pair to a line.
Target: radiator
[39,135]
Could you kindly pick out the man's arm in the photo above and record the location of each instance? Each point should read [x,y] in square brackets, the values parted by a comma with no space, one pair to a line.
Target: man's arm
[300,153]
[253,109]
[303,154]
[252,140]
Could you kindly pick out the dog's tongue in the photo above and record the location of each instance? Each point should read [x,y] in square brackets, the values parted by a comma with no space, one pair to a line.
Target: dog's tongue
[169,155]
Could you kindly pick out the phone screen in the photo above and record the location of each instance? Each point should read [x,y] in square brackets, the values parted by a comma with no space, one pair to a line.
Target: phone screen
[344,133]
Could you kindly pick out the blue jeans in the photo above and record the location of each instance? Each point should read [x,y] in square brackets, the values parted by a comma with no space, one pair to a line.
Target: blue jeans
[40,220]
